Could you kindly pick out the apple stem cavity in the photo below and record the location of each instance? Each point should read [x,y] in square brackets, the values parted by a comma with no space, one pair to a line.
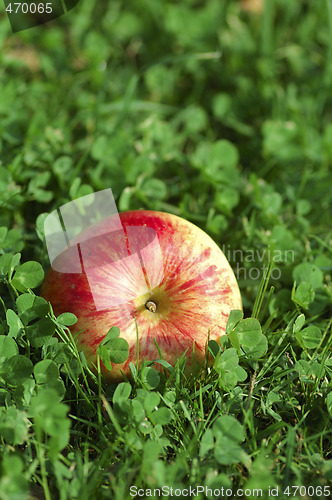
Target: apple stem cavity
[151,306]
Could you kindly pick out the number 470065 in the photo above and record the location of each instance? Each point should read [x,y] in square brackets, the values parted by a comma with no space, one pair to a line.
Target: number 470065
[31,8]
[309,491]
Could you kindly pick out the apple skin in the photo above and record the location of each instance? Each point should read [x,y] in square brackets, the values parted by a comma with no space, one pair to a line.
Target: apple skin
[189,281]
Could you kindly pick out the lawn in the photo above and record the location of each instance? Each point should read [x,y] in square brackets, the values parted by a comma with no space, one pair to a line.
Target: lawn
[220,112]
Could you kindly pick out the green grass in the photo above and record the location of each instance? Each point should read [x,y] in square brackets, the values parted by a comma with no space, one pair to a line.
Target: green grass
[221,116]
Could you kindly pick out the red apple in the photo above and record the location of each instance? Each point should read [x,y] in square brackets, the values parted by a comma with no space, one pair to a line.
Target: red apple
[160,269]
